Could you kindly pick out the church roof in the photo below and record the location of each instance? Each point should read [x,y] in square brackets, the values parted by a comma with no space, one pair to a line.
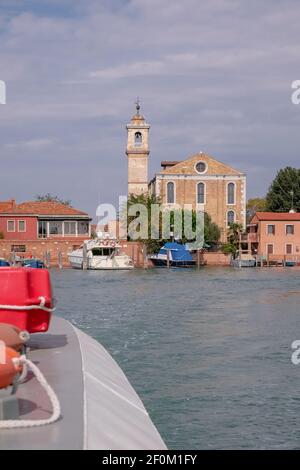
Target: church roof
[214,167]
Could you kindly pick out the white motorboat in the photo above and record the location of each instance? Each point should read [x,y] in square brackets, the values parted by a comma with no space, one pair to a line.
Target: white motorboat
[100,254]
[243,260]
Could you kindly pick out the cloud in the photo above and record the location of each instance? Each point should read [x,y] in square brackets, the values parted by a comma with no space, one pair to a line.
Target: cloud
[33,144]
[213,76]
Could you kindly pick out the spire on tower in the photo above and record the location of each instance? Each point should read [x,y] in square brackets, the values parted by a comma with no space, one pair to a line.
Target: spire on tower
[138,105]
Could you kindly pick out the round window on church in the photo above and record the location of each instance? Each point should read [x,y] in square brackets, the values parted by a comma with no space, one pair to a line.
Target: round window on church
[201,167]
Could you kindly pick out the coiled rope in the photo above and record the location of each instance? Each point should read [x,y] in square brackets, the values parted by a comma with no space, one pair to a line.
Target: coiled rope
[18,423]
[41,306]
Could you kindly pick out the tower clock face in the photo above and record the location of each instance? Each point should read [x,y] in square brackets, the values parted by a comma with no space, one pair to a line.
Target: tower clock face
[201,167]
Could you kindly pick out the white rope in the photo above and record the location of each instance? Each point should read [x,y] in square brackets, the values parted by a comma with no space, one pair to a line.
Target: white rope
[19,423]
[41,306]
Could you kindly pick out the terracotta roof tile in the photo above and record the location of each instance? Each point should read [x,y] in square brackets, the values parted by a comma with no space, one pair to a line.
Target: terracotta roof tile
[277,215]
[6,205]
[40,208]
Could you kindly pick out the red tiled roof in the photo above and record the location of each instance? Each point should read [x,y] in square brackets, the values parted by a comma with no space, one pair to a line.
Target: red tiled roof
[39,208]
[277,215]
[6,205]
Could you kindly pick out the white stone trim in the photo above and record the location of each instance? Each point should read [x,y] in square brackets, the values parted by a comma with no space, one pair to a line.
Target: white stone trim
[201,172]
[171,203]
[25,226]
[200,203]
[234,194]
[267,244]
[227,212]
[196,177]
[14,222]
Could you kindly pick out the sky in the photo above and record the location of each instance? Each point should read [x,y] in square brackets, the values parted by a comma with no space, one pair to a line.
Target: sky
[213,76]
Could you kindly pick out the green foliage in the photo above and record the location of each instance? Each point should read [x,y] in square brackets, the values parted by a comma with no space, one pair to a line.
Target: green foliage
[229,248]
[211,230]
[256,204]
[234,232]
[51,198]
[233,236]
[284,192]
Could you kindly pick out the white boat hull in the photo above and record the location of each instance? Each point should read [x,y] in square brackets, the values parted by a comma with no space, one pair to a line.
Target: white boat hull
[117,262]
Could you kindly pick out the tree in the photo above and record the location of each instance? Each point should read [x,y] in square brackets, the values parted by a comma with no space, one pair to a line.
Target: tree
[233,236]
[256,204]
[284,192]
[147,201]
[50,198]
[211,230]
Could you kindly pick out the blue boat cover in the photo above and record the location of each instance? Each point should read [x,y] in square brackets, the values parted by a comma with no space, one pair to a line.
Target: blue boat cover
[33,263]
[3,262]
[178,251]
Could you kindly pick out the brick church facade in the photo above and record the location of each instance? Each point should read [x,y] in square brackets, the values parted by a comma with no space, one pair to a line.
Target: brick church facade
[200,181]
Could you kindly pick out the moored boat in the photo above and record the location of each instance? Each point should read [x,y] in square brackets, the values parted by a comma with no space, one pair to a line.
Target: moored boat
[100,254]
[243,260]
[173,254]
[33,263]
[3,262]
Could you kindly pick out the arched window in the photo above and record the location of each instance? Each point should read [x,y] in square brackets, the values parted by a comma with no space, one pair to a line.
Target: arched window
[170,193]
[200,193]
[231,193]
[138,138]
[230,218]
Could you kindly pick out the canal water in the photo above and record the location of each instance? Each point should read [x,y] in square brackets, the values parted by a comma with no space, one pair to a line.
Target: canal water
[208,352]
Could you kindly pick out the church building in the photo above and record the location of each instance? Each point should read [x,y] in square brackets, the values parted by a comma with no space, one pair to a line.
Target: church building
[200,180]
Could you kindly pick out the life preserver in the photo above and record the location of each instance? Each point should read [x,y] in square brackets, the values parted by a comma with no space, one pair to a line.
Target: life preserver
[13,337]
[9,366]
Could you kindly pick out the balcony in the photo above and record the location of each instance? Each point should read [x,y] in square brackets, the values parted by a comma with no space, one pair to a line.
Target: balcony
[251,237]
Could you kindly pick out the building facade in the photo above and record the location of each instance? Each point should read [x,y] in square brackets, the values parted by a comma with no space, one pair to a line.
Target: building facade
[275,235]
[137,152]
[200,181]
[34,228]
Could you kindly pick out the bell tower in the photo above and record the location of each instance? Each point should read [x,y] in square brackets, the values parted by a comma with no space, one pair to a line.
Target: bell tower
[137,152]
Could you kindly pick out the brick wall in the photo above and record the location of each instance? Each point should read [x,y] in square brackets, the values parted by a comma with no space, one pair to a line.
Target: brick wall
[38,248]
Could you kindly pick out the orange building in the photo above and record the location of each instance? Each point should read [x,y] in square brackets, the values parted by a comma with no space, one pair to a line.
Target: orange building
[275,235]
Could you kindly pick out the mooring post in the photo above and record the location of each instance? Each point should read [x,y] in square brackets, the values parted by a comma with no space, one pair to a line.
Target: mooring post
[48,259]
[145,253]
[168,259]
[84,260]
[60,260]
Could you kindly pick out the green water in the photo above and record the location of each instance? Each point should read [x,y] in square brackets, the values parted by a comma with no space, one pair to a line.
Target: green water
[209,351]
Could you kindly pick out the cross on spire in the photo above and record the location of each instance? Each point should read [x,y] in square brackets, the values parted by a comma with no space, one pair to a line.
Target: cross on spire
[138,105]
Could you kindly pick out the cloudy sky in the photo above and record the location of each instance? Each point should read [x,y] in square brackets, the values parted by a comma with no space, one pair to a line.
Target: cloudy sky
[212,75]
